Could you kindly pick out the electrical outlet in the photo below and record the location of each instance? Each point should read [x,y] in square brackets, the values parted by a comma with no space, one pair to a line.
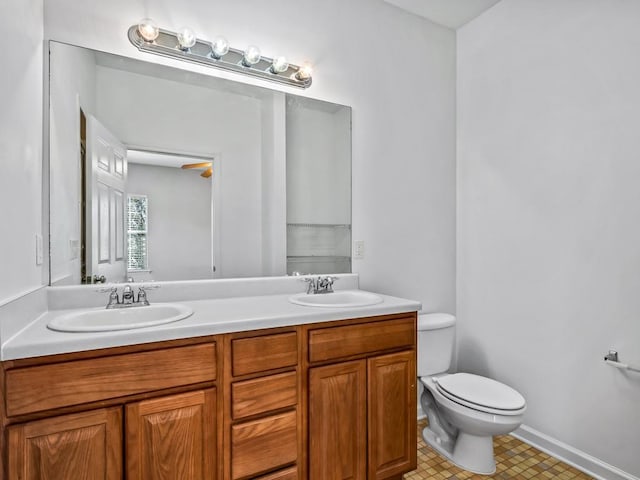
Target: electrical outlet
[358,249]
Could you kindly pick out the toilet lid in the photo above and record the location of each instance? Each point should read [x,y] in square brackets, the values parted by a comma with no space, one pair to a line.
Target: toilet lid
[480,391]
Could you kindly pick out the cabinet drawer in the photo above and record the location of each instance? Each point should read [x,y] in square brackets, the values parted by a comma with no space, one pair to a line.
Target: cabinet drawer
[33,389]
[286,474]
[267,352]
[342,342]
[260,395]
[262,445]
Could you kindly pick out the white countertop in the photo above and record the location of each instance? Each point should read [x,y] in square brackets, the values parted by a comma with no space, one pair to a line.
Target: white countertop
[211,316]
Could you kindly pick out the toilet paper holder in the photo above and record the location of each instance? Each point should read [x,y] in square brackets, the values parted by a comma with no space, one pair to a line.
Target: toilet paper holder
[612,359]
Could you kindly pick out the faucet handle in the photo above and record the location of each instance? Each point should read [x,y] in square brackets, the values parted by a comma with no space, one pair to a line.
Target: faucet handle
[113,297]
[325,283]
[142,296]
[311,283]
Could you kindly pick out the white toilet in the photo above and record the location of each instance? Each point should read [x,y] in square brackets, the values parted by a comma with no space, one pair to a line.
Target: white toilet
[464,411]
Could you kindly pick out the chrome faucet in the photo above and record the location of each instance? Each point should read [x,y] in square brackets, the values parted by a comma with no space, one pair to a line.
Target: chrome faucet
[321,284]
[128,297]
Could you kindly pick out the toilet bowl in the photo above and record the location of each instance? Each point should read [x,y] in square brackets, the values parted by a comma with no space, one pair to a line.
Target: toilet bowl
[464,410]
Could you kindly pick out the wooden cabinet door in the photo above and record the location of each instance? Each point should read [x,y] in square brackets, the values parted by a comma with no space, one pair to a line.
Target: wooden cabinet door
[392,414]
[82,446]
[337,421]
[172,437]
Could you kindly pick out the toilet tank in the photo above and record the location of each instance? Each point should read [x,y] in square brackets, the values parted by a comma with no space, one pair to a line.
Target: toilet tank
[436,336]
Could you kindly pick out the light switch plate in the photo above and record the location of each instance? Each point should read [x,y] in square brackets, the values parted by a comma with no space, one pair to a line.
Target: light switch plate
[358,249]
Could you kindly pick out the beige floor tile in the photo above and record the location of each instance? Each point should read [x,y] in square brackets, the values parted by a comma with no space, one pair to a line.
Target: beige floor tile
[515,460]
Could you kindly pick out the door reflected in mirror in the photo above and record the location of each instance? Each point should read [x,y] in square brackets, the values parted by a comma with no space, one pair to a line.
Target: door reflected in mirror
[158,173]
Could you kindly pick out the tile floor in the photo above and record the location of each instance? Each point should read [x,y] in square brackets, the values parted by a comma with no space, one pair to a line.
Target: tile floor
[515,461]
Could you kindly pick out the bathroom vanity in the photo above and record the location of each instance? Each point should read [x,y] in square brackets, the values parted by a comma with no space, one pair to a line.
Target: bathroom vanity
[255,384]
[331,395]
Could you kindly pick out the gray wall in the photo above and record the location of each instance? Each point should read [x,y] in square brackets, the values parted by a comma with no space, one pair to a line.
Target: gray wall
[21,146]
[548,210]
[179,228]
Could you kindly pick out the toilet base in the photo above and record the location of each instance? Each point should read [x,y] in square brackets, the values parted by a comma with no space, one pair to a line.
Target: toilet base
[470,452]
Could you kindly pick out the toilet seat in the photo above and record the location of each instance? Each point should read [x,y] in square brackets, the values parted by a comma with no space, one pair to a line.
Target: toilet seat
[481,393]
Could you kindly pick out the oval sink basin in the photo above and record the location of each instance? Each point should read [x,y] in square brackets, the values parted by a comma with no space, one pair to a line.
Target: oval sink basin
[339,299]
[103,320]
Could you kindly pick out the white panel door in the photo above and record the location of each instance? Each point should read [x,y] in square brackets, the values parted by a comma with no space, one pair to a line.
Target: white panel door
[106,178]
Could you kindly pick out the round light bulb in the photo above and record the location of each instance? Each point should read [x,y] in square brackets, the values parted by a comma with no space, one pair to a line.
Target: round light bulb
[148,30]
[304,73]
[186,38]
[251,56]
[279,65]
[219,47]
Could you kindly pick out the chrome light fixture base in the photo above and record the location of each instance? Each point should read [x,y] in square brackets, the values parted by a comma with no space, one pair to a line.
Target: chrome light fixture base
[167,45]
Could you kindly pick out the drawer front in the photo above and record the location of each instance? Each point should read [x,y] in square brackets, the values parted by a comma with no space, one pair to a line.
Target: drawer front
[262,445]
[286,474]
[265,394]
[267,352]
[341,342]
[38,388]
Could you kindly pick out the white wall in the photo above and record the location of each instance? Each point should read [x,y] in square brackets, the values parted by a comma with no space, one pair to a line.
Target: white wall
[20,145]
[403,111]
[179,226]
[548,214]
[72,87]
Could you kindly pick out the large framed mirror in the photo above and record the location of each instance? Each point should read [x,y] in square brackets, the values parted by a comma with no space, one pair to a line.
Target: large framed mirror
[158,173]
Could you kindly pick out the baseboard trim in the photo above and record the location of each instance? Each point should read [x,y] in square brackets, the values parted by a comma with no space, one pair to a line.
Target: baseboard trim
[570,455]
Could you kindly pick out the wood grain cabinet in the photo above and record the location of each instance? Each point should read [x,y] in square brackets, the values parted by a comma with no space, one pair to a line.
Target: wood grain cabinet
[338,421]
[83,446]
[146,412]
[362,413]
[326,401]
[391,409]
[262,415]
[166,438]
[172,437]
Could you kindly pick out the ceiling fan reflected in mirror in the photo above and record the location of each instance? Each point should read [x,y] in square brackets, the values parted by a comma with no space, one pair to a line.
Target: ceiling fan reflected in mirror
[208,166]
[153,157]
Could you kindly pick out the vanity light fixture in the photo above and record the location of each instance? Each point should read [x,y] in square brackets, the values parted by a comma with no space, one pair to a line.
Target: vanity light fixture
[219,47]
[184,45]
[304,72]
[186,38]
[279,65]
[148,30]
[251,56]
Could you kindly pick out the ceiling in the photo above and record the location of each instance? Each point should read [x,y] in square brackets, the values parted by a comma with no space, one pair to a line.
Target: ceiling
[450,13]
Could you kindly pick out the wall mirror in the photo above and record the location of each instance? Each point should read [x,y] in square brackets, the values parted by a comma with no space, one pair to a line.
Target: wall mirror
[158,173]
